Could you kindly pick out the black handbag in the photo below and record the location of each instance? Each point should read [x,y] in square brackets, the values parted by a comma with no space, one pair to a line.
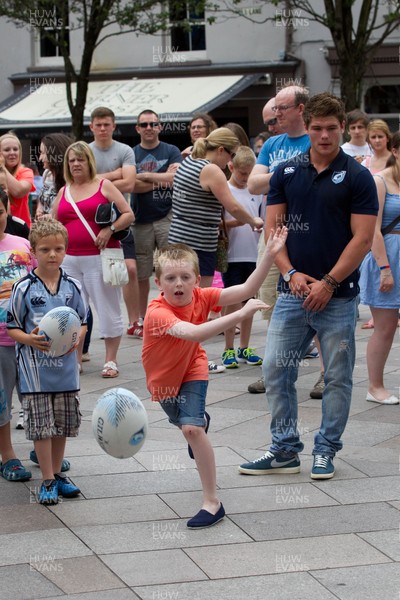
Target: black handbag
[105,216]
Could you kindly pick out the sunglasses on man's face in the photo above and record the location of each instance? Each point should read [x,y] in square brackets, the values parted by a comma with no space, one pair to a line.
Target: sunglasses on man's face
[146,124]
[271,122]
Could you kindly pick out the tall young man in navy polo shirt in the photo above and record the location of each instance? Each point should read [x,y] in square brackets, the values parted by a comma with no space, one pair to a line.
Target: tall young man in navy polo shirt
[329,203]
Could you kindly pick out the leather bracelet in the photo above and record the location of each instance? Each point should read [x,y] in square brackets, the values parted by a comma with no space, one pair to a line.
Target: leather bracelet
[330,281]
[325,284]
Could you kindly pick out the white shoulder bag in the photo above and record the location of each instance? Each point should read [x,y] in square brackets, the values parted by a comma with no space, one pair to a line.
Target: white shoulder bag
[112,259]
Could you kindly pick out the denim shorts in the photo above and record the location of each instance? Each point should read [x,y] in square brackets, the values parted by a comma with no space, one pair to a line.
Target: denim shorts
[187,408]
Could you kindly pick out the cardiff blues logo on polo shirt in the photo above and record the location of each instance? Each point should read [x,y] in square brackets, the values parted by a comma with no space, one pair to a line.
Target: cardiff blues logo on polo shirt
[289,170]
[338,176]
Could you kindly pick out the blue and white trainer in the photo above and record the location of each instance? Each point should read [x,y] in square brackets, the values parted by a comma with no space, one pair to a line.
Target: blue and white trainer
[65,487]
[323,467]
[229,359]
[48,493]
[247,355]
[271,462]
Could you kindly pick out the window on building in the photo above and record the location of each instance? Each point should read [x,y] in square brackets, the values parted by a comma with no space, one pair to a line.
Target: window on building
[383,99]
[52,26]
[188,31]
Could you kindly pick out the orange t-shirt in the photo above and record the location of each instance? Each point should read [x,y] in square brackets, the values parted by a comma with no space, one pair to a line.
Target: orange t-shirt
[170,361]
[20,206]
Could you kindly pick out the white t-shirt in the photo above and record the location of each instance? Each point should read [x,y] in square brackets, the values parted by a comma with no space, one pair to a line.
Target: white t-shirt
[243,241]
[353,150]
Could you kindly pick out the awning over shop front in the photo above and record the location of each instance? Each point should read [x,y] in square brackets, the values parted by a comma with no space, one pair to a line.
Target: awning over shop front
[174,99]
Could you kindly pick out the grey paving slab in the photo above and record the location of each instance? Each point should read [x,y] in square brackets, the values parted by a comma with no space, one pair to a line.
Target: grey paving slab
[393,442]
[385,541]
[105,511]
[385,414]
[107,486]
[361,452]
[14,492]
[123,594]
[370,582]
[362,490]
[79,575]
[299,586]
[306,521]
[179,459]
[260,558]
[157,567]
[21,582]
[221,418]
[365,433]
[102,464]
[373,468]
[27,517]
[156,535]
[254,499]
[34,546]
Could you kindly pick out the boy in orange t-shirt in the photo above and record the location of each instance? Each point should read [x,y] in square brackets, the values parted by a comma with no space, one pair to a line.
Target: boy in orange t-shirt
[175,363]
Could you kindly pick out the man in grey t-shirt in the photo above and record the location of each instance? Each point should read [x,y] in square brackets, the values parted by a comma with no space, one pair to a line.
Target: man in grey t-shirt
[116,161]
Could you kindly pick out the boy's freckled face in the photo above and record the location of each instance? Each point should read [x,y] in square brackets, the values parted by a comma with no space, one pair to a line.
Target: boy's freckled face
[177,282]
[50,252]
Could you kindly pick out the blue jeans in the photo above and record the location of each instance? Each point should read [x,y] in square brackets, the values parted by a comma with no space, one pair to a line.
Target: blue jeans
[289,334]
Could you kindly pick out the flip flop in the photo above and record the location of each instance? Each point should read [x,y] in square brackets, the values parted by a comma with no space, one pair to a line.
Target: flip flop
[208,419]
[110,370]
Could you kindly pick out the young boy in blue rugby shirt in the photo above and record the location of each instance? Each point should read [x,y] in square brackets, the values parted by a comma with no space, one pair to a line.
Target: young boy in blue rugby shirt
[49,385]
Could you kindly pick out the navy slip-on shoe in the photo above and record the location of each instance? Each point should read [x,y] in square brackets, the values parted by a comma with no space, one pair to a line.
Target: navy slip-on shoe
[208,419]
[206,519]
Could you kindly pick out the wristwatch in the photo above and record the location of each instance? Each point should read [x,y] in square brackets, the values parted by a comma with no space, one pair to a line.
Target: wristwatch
[112,227]
[288,276]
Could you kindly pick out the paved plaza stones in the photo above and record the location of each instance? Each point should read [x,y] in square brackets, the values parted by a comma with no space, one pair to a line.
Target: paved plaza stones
[285,536]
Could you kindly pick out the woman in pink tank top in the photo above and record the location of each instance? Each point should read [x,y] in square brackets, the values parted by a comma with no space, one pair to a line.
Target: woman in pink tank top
[83,260]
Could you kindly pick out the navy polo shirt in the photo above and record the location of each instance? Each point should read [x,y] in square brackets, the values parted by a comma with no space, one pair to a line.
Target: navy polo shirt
[318,212]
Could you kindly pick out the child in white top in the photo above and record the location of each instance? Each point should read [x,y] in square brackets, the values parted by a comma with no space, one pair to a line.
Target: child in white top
[242,255]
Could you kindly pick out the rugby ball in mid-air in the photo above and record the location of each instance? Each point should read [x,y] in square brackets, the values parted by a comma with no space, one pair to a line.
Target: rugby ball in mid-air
[119,423]
[61,327]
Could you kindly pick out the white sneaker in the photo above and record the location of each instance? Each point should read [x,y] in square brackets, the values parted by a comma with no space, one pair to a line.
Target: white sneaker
[214,368]
[20,422]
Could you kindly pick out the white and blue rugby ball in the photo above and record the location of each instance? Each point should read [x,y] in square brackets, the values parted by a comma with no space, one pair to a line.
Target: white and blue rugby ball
[61,327]
[119,423]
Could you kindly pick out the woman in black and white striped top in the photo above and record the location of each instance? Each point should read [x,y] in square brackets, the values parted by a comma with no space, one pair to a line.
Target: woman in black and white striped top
[200,192]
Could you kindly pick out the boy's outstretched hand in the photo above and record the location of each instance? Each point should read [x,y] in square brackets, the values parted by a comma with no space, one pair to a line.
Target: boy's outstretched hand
[251,307]
[276,241]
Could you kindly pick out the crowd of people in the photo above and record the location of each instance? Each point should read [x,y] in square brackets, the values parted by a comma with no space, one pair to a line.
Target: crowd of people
[298,189]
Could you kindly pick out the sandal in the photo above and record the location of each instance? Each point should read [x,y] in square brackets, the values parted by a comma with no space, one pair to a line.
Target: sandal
[110,370]
[368,325]
[14,470]
[65,465]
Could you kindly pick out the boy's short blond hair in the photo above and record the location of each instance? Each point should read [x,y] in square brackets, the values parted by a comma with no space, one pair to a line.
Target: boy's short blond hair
[245,157]
[44,228]
[173,253]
